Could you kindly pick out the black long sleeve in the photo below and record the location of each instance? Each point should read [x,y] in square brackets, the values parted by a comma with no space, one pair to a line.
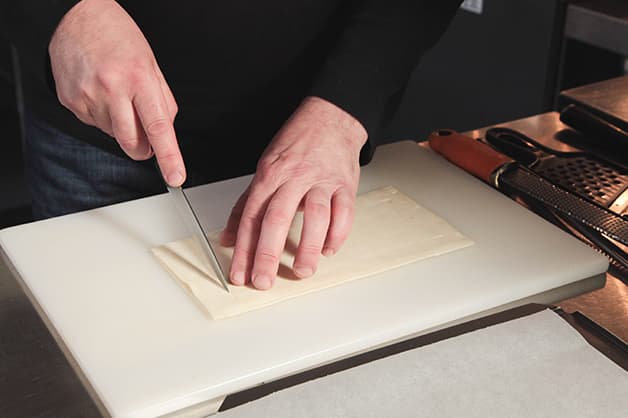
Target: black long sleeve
[239,69]
[372,61]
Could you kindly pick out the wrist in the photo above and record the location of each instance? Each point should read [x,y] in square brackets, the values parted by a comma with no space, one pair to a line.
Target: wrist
[337,118]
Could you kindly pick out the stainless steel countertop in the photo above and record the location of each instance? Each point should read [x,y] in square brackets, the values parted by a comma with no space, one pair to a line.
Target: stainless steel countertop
[608,97]
[37,381]
[602,23]
[607,306]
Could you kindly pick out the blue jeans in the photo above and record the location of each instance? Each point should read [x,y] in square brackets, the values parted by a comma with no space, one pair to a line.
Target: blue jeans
[67,175]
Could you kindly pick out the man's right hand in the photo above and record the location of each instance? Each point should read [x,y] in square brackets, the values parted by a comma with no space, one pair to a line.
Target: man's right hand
[107,75]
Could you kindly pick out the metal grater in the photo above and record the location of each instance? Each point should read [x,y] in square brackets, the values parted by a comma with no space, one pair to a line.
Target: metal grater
[592,179]
[597,180]
[516,180]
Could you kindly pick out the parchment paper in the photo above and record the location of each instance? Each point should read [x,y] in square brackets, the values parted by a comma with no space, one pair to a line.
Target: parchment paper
[389,230]
[535,366]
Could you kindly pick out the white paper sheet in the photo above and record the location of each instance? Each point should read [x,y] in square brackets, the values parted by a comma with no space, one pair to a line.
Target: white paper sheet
[536,366]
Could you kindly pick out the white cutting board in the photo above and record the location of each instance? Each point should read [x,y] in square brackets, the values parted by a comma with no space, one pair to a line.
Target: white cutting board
[146,349]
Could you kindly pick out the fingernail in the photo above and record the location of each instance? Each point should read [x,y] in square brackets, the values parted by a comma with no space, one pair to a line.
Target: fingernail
[328,252]
[303,272]
[175,179]
[262,282]
[238,278]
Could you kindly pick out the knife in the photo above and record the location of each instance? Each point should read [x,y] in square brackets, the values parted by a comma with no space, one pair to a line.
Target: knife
[194,226]
[510,177]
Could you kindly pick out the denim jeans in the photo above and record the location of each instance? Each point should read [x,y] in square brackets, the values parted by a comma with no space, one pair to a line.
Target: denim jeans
[67,175]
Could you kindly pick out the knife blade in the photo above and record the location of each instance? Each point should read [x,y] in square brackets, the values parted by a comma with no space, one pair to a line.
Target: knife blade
[196,229]
[508,176]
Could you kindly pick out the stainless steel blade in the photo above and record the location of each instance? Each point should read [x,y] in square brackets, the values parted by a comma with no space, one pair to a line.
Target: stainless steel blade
[191,220]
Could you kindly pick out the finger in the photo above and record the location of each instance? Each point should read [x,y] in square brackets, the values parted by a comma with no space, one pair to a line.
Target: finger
[126,131]
[228,235]
[141,134]
[79,108]
[169,97]
[342,207]
[273,233]
[85,117]
[153,113]
[247,236]
[97,108]
[316,215]
[101,118]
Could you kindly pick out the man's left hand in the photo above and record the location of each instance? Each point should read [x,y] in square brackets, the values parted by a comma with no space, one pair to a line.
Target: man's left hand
[312,163]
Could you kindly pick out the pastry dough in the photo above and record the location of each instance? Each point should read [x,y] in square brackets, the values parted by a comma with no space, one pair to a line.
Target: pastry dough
[389,230]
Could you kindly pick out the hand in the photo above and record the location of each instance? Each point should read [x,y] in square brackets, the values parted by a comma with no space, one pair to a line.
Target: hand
[312,162]
[106,74]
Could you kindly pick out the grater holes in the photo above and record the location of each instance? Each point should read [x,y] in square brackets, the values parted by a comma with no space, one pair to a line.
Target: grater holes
[591,179]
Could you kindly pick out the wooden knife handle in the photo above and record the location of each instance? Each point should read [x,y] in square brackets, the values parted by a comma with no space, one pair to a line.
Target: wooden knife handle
[467,153]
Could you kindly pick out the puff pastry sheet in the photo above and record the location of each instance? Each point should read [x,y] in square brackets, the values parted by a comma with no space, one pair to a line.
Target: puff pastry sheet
[389,230]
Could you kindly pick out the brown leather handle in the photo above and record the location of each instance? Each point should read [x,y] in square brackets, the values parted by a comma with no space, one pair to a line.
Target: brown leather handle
[473,156]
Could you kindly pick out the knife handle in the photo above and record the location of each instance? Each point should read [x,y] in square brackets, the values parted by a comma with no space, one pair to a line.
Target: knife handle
[467,153]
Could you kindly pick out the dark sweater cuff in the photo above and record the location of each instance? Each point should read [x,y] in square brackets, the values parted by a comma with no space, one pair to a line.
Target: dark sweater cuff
[367,72]
[348,93]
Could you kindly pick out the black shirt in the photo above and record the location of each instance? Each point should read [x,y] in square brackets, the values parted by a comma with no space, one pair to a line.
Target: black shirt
[239,68]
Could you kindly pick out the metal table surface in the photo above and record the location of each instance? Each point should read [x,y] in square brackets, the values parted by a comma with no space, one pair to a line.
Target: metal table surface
[37,381]
[607,99]
[602,23]
[607,306]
